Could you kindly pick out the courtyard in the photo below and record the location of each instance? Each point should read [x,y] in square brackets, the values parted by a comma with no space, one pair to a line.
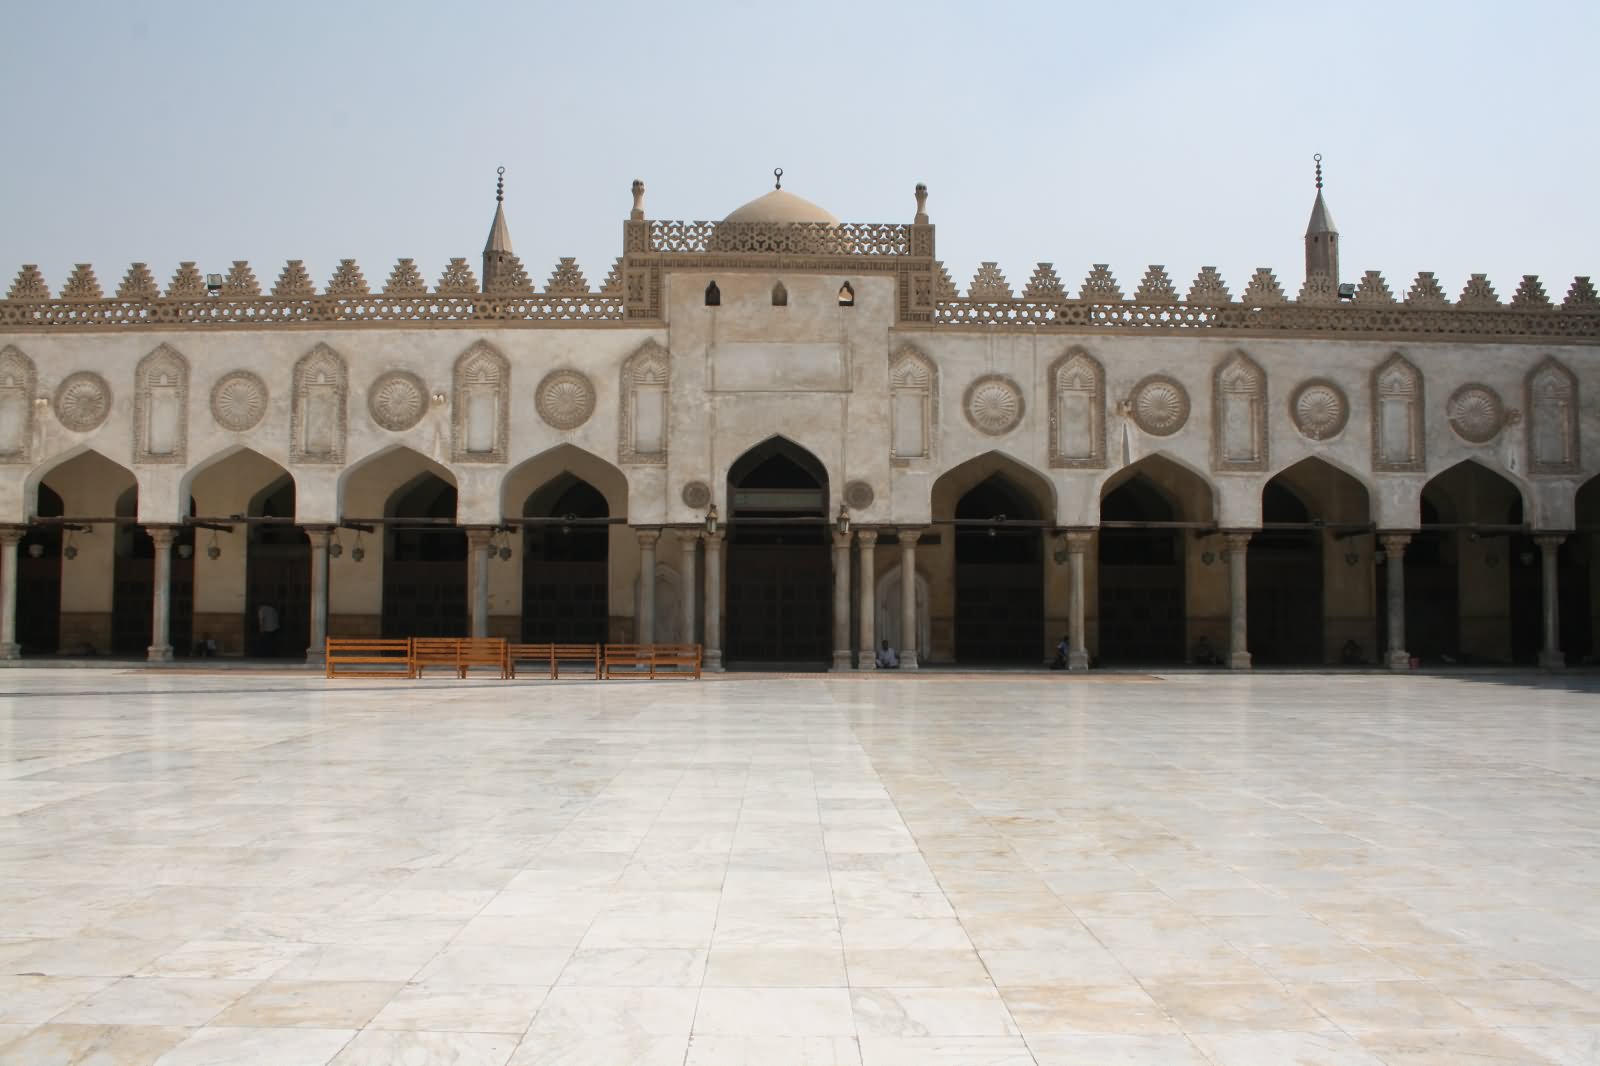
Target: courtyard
[266,868]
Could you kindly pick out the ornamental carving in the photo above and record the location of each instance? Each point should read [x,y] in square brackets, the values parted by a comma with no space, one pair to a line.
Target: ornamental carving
[83,401]
[18,381]
[1077,411]
[1397,440]
[565,399]
[1476,413]
[1551,400]
[397,400]
[161,407]
[913,406]
[993,404]
[1239,415]
[696,495]
[318,415]
[1319,409]
[858,495]
[481,407]
[642,429]
[1160,406]
[239,401]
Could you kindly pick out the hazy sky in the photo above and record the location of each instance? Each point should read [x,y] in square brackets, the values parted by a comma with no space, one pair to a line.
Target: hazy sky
[1458,137]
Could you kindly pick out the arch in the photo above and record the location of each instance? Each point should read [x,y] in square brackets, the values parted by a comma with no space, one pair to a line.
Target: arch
[1192,492]
[228,456]
[713,295]
[537,470]
[79,461]
[780,295]
[1361,477]
[566,565]
[957,481]
[367,481]
[887,606]
[1328,489]
[1472,487]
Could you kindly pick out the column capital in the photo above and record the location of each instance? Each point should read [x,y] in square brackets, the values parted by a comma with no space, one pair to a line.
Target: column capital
[319,535]
[1549,540]
[714,540]
[867,537]
[11,536]
[841,541]
[1078,540]
[163,536]
[1237,540]
[647,536]
[909,537]
[480,536]
[1394,542]
[690,536]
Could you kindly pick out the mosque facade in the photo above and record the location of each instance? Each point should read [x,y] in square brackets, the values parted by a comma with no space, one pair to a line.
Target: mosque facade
[792,438]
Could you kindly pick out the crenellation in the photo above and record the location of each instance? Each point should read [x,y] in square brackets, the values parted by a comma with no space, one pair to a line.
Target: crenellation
[1100,286]
[30,285]
[1479,295]
[511,279]
[1319,291]
[405,280]
[1263,290]
[241,281]
[1045,284]
[1373,290]
[82,285]
[457,280]
[347,280]
[1530,294]
[1156,287]
[138,284]
[294,283]
[187,282]
[1581,296]
[1426,293]
[1209,290]
[989,283]
[567,279]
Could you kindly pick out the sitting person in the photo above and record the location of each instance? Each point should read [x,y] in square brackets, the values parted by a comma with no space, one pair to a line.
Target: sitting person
[1063,649]
[1203,654]
[887,659]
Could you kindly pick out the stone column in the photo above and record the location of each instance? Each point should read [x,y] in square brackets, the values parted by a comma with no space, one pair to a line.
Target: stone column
[866,599]
[1237,544]
[908,598]
[645,625]
[317,646]
[161,607]
[1395,656]
[9,539]
[478,541]
[1077,547]
[689,539]
[841,601]
[1550,656]
[712,659]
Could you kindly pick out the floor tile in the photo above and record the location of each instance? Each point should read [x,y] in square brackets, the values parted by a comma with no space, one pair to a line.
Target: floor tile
[91,1045]
[309,1004]
[260,1047]
[376,1047]
[763,1012]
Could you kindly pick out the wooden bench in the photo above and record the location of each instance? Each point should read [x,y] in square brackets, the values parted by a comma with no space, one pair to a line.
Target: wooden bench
[653,660]
[458,653]
[367,657]
[551,656]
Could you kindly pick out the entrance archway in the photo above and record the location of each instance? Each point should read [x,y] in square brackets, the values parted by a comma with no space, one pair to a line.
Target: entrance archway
[566,563]
[1580,599]
[999,580]
[133,584]
[278,573]
[39,579]
[1142,574]
[780,596]
[1465,567]
[425,561]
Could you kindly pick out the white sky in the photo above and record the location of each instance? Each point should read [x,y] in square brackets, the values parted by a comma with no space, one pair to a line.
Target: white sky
[1458,137]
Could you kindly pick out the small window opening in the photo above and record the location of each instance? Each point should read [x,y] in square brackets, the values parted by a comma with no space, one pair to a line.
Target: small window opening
[713,295]
[780,295]
[847,295]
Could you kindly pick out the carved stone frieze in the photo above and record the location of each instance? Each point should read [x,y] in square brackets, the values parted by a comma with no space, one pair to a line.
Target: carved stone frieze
[858,495]
[1476,413]
[993,404]
[565,399]
[696,495]
[913,405]
[18,381]
[1078,410]
[1551,400]
[481,406]
[1398,444]
[643,428]
[83,401]
[397,400]
[318,414]
[161,407]
[239,401]
[1159,405]
[1319,409]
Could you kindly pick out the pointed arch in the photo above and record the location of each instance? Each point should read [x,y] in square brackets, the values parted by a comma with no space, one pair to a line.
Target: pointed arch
[1474,492]
[319,416]
[1192,493]
[481,405]
[1550,399]
[645,422]
[913,405]
[1331,466]
[1238,414]
[952,485]
[91,472]
[1398,439]
[1330,492]
[19,383]
[255,464]
[364,486]
[161,407]
[1077,411]
[535,471]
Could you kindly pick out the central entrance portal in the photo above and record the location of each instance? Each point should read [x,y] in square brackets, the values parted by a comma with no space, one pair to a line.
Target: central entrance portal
[780,581]
[565,563]
[999,583]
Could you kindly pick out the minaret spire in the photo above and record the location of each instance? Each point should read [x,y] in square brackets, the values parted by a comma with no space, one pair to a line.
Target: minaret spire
[1322,237]
[497,249]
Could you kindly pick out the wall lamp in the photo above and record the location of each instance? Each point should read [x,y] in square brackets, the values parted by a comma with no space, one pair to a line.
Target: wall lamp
[842,523]
[711,520]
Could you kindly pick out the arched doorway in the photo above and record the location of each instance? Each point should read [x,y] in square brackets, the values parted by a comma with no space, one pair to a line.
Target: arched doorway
[425,561]
[39,579]
[278,573]
[1464,567]
[999,552]
[133,584]
[1141,608]
[1284,579]
[566,563]
[780,590]
[1580,599]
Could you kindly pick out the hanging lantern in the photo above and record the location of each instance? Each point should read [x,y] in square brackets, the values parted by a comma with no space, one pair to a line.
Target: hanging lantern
[213,550]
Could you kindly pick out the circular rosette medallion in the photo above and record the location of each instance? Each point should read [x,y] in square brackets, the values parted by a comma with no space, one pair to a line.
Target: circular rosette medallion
[1160,406]
[565,399]
[397,400]
[1319,409]
[239,401]
[858,495]
[696,495]
[1476,413]
[83,401]
[994,404]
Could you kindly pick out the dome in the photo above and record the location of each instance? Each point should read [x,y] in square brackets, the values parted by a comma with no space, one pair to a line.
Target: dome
[781,206]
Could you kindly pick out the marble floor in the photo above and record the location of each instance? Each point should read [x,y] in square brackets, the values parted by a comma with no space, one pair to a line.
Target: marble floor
[953,870]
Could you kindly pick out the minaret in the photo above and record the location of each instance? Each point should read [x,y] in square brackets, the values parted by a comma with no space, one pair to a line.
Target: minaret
[497,249]
[1322,239]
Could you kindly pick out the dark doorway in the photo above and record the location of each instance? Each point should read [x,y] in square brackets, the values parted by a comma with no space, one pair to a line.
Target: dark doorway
[133,585]
[277,573]
[1432,614]
[566,564]
[999,579]
[780,580]
[1284,582]
[1142,604]
[39,580]
[425,562]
